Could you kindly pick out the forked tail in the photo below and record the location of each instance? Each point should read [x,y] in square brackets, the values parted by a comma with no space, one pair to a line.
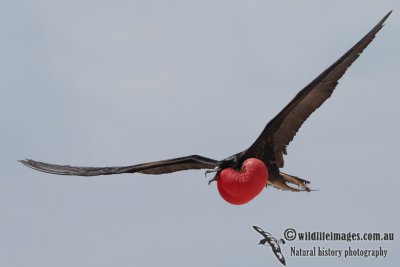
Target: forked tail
[284,181]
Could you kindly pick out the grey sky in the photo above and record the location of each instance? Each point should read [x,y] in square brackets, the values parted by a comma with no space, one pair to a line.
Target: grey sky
[98,83]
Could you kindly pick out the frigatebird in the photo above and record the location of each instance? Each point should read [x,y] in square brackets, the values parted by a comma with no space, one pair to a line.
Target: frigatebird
[273,242]
[242,176]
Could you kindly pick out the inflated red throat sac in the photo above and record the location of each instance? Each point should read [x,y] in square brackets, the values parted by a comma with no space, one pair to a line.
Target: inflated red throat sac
[239,187]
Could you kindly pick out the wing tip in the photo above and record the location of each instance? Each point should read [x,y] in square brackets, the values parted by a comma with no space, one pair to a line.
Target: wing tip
[258,229]
[26,162]
[385,17]
[31,164]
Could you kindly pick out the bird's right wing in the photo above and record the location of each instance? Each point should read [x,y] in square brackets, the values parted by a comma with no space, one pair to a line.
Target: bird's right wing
[156,167]
[271,145]
[278,253]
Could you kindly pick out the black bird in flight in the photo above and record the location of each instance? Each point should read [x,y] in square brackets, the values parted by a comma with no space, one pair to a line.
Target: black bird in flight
[273,242]
[269,147]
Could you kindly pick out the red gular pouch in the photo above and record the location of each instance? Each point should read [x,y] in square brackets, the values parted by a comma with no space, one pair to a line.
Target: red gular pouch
[239,187]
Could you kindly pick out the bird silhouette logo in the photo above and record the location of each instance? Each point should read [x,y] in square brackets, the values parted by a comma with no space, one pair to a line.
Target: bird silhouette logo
[273,243]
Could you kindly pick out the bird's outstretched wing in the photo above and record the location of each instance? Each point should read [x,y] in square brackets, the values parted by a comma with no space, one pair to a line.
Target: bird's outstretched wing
[278,253]
[156,167]
[267,235]
[271,145]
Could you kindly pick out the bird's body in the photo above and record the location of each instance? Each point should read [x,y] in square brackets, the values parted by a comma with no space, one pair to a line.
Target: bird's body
[268,148]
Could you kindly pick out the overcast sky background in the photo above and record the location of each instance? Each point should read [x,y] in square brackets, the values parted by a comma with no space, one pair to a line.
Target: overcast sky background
[103,83]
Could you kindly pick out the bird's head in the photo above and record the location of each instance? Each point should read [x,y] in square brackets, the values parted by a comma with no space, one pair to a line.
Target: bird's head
[262,242]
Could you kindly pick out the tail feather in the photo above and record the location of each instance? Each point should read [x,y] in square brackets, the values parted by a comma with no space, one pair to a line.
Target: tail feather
[283,180]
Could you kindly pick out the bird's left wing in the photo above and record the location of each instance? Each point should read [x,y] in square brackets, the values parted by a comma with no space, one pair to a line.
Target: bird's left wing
[156,167]
[277,134]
